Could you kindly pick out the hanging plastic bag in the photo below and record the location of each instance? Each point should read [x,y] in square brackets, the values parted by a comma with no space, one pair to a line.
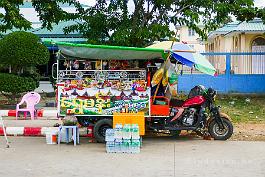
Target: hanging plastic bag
[173,75]
[165,79]
[173,80]
[158,76]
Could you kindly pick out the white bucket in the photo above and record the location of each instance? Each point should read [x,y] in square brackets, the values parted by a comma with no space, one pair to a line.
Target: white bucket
[51,137]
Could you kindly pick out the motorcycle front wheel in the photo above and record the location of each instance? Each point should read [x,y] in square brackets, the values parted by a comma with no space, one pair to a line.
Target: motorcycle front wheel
[221,134]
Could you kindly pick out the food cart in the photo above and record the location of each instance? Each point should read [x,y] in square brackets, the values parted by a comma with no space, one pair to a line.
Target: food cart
[96,81]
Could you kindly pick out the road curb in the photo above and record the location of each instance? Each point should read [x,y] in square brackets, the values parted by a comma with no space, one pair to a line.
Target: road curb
[41,131]
[40,113]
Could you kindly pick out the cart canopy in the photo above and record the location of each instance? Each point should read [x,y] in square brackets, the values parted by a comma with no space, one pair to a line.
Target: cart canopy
[106,52]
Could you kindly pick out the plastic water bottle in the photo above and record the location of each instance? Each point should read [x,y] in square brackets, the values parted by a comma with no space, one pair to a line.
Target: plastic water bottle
[110,146]
[126,132]
[126,146]
[118,146]
[107,148]
[135,146]
[123,147]
[118,131]
[109,136]
[135,131]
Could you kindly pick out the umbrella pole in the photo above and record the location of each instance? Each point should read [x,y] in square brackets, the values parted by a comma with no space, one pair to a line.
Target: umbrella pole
[158,85]
[165,63]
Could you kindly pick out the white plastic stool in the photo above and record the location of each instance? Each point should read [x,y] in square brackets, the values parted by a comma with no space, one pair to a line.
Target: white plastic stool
[75,134]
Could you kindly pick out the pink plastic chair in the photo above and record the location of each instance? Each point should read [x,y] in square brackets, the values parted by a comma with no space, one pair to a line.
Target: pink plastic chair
[31,99]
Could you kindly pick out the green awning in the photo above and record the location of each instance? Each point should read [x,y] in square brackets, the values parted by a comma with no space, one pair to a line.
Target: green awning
[105,52]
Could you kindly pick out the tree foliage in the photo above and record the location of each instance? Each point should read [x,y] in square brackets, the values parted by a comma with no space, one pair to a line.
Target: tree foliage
[23,49]
[112,22]
[49,11]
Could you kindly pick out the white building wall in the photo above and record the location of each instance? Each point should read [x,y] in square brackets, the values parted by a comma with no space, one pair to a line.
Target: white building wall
[193,41]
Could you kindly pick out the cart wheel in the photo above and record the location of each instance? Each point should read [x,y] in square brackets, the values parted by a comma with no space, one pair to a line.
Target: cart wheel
[100,129]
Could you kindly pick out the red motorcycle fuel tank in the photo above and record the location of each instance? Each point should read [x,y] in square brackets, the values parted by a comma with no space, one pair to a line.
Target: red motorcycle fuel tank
[197,100]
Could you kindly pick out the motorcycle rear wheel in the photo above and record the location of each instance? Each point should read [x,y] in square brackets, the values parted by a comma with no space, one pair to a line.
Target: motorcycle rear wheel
[221,134]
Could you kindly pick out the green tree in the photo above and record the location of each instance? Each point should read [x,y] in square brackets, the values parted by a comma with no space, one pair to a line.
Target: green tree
[21,52]
[111,22]
[49,11]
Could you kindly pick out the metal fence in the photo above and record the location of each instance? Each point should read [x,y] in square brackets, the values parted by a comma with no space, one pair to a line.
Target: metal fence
[242,72]
[240,63]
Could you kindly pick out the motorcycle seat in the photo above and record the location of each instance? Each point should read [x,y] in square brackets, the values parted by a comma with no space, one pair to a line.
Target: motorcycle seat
[176,102]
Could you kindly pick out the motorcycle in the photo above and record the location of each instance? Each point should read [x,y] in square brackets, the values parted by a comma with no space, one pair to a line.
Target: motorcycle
[198,113]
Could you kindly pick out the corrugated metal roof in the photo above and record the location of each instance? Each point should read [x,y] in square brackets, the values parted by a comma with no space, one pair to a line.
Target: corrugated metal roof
[57,30]
[56,34]
[228,27]
[255,25]
[73,40]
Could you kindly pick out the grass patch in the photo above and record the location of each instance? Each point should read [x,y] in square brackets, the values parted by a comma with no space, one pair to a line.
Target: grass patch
[243,108]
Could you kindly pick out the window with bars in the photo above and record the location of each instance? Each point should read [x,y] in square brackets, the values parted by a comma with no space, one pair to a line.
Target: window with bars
[191,32]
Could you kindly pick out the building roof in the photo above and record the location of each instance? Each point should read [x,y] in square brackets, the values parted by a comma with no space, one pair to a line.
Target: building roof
[56,34]
[62,5]
[253,26]
[228,27]
[57,30]
[69,39]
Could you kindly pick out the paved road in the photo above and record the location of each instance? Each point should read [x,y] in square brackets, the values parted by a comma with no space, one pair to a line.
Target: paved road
[160,156]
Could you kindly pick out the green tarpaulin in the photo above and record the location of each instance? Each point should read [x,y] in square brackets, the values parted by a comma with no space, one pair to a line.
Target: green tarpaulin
[105,52]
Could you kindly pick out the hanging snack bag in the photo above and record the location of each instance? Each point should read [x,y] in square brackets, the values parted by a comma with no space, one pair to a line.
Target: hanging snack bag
[158,76]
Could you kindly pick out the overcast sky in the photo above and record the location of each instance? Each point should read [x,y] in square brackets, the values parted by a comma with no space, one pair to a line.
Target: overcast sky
[260,3]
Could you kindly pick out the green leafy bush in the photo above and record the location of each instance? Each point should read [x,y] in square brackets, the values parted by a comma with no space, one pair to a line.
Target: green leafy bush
[23,49]
[11,83]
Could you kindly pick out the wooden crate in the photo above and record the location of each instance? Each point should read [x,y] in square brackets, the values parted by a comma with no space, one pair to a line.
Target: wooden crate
[130,118]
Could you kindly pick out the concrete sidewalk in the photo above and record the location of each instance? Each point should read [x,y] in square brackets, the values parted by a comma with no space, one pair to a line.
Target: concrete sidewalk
[21,122]
[159,157]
